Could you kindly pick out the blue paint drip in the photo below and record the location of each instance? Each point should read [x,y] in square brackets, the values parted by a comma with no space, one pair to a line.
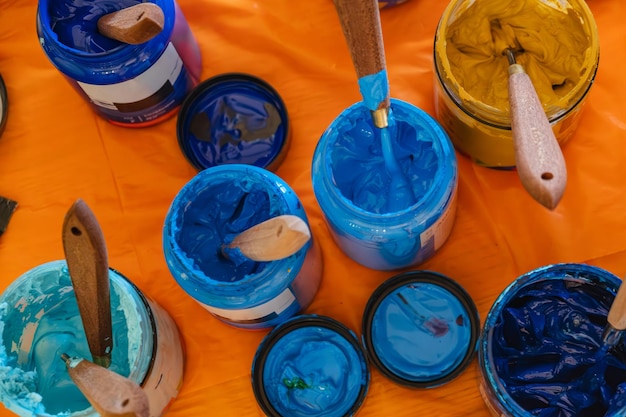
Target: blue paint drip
[374,89]
[548,350]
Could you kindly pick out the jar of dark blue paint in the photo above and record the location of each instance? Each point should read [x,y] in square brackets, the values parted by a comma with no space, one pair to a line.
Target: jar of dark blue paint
[128,85]
[541,348]
[350,185]
[310,366]
[214,206]
[420,329]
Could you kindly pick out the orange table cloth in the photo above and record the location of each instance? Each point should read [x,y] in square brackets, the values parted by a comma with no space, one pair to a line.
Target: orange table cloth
[55,149]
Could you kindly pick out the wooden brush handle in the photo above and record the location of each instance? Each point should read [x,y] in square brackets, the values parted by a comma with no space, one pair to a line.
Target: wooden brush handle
[86,256]
[538,157]
[617,313]
[360,21]
[133,25]
[109,393]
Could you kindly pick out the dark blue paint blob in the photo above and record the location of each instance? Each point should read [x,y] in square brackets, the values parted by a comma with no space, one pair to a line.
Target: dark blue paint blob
[76,23]
[547,350]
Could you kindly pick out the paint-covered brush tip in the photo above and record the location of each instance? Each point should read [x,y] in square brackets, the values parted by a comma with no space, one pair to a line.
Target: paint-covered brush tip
[7,207]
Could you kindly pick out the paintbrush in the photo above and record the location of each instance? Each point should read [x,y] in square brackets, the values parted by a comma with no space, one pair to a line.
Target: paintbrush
[109,393]
[273,239]
[7,207]
[133,25]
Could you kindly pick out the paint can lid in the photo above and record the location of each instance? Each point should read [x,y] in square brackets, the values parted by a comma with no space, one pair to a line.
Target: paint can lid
[420,329]
[233,118]
[312,364]
[4,105]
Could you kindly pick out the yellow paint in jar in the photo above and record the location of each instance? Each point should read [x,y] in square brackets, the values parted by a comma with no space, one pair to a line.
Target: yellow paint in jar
[557,44]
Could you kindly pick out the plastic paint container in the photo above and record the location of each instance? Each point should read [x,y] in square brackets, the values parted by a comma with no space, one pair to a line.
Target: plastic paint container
[420,329]
[213,207]
[128,85]
[310,366]
[561,56]
[384,4]
[234,119]
[39,320]
[350,185]
[540,349]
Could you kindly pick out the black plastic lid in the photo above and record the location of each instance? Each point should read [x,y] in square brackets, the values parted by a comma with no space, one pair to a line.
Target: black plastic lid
[420,329]
[233,118]
[4,105]
[345,353]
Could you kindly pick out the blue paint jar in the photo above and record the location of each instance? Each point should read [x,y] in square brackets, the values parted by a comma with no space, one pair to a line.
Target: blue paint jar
[214,206]
[234,118]
[310,366]
[128,85]
[541,348]
[350,182]
[420,329]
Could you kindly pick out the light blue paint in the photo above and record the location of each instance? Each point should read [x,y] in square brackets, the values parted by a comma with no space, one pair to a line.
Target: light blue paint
[421,332]
[542,347]
[351,184]
[314,370]
[33,379]
[213,207]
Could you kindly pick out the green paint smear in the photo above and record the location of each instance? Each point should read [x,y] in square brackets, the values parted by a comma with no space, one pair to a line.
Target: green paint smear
[295,382]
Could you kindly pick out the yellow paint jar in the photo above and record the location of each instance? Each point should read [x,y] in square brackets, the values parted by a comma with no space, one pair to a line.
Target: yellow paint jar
[556,41]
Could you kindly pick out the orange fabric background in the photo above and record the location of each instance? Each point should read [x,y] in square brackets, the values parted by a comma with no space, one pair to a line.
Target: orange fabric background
[55,150]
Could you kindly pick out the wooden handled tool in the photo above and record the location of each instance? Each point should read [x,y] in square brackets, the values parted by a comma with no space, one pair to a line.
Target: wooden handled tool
[109,393]
[360,22]
[134,25]
[538,157]
[273,239]
[86,256]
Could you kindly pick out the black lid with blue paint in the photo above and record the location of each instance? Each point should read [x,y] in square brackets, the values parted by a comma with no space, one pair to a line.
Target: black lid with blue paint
[233,118]
[420,329]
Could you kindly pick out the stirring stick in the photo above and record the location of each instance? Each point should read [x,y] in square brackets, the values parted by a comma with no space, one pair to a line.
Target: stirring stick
[86,255]
[273,239]
[538,157]
[134,25]
[109,393]
[360,22]
[616,318]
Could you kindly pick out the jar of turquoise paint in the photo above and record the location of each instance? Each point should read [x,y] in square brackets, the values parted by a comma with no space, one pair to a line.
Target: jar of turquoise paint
[311,366]
[40,320]
[541,353]
[350,183]
[214,206]
[131,85]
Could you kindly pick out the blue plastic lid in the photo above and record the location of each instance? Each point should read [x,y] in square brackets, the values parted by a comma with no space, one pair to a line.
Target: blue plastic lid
[420,329]
[310,365]
[233,118]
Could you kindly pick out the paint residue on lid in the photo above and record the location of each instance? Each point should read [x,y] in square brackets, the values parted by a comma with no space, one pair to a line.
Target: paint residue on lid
[233,118]
[420,329]
[310,366]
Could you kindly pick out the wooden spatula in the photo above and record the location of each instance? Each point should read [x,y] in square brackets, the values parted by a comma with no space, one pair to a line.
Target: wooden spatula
[134,25]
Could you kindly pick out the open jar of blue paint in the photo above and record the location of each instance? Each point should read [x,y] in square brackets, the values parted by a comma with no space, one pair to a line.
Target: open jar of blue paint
[541,351]
[310,366]
[40,320]
[214,206]
[131,85]
[420,329]
[351,184]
